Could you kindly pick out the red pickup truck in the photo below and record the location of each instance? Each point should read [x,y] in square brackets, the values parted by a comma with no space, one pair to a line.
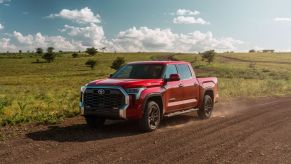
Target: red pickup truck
[148,91]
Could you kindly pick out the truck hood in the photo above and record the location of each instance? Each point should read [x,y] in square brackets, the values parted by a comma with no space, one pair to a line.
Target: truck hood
[127,83]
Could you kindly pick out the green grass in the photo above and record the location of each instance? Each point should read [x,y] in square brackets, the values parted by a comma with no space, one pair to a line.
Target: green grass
[49,92]
[277,57]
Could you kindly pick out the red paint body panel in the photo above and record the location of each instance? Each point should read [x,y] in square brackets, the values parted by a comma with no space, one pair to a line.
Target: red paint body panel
[127,83]
[175,95]
[209,83]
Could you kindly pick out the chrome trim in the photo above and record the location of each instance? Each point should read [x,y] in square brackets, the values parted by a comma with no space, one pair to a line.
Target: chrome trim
[139,93]
[122,113]
[82,108]
[122,110]
[82,89]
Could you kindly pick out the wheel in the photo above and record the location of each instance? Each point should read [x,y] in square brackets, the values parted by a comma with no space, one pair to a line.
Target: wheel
[94,122]
[205,111]
[151,118]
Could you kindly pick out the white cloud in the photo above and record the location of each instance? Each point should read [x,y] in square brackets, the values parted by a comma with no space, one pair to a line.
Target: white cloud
[1,27]
[5,45]
[78,38]
[146,39]
[81,16]
[282,19]
[130,40]
[189,20]
[92,35]
[30,42]
[4,1]
[23,39]
[89,33]
[187,12]
[184,16]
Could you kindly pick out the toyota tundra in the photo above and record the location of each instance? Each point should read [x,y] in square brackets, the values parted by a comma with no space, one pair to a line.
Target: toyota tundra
[148,91]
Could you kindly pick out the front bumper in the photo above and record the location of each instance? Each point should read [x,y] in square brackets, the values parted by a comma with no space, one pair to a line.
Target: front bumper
[114,113]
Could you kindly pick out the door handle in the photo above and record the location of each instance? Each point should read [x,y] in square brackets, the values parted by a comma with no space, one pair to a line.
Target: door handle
[181,85]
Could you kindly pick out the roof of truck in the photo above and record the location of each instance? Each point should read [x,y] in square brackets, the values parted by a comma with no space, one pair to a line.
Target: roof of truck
[159,62]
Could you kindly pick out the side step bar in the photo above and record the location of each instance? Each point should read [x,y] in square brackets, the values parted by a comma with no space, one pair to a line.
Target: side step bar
[180,112]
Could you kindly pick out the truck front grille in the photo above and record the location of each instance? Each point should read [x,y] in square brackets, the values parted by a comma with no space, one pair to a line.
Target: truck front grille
[103,99]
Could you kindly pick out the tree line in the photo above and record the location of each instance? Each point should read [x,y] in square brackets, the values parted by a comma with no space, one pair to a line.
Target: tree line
[49,56]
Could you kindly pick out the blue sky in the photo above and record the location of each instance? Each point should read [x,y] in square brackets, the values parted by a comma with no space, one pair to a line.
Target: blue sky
[146,25]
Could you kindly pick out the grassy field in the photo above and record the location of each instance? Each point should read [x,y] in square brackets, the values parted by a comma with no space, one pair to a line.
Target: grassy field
[48,92]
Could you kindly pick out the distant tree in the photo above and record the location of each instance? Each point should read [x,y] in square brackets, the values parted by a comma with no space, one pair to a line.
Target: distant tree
[117,63]
[20,51]
[91,63]
[208,56]
[91,51]
[252,51]
[103,49]
[39,51]
[75,55]
[50,50]
[50,55]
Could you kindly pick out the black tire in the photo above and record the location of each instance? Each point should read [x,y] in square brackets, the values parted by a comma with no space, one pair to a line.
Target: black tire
[205,111]
[94,122]
[151,118]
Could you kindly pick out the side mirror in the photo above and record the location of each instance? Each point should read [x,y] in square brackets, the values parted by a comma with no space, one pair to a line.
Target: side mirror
[174,77]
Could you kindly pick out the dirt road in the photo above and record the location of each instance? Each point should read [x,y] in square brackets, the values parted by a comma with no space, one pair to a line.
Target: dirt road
[241,131]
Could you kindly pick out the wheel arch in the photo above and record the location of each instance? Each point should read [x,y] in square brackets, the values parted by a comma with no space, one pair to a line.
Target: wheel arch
[157,97]
[209,92]
[206,91]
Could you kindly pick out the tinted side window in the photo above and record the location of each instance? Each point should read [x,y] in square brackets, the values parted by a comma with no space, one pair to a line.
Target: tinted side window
[184,71]
[171,69]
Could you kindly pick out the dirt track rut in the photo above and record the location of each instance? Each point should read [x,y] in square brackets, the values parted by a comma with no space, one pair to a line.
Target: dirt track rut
[241,131]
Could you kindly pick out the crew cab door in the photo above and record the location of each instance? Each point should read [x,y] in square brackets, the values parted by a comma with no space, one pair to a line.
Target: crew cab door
[189,87]
[173,95]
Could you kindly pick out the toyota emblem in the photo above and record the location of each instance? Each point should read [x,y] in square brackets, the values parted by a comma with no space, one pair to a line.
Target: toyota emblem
[101,91]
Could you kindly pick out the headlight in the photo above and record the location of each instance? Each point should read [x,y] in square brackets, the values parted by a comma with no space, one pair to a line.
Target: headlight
[135,91]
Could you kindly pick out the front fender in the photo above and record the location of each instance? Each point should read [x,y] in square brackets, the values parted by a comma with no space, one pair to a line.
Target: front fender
[153,92]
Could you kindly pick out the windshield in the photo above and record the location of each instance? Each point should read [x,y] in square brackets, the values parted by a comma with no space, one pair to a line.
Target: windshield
[139,71]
